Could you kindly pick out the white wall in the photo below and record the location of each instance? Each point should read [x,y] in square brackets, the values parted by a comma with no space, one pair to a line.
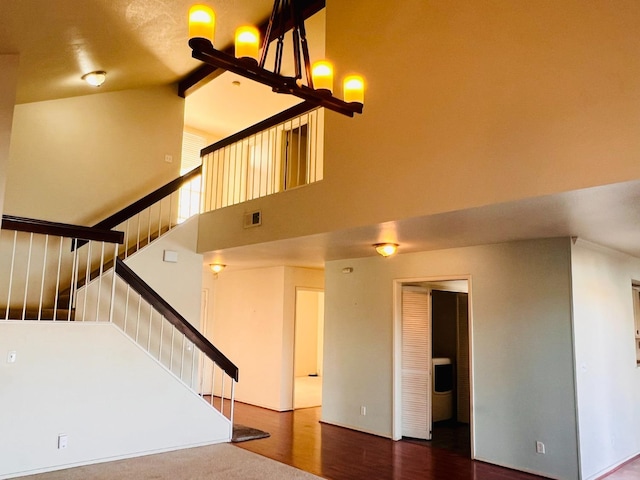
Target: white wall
[8,82]
[78,160]
[90,382]
[522,357]
[252,322]
[459,97]
[608,379]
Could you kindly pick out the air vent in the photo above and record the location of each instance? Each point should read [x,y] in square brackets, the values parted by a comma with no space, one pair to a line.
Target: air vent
[253,219]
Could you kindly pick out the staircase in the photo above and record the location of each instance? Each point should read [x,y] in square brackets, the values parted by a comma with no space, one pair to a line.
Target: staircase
[52,273]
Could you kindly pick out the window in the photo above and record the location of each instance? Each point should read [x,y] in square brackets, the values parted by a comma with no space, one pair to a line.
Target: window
[189,194]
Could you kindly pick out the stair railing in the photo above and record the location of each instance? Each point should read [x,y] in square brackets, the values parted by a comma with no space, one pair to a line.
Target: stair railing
[41,272]
[277,154]
[47,279]
[153,215]
[167,336]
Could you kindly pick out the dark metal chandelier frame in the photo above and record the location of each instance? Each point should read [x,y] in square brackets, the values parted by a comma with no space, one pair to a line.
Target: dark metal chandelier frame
[284,12]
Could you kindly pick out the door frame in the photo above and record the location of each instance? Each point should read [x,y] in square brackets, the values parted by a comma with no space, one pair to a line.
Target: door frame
[397,351]
[294,346]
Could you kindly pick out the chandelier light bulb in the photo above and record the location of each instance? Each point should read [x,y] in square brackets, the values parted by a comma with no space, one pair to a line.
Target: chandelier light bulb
[353,89]
[202,22]
[247,42]
[322,75]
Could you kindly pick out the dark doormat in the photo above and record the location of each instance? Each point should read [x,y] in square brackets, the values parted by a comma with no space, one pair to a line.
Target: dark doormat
[242,433]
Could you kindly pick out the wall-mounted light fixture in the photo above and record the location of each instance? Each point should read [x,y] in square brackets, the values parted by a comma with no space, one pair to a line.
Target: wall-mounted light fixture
[216,267]
[386,249]
[95,79]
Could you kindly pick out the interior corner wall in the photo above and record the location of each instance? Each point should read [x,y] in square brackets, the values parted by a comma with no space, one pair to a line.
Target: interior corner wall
[95,385]
[247,326]
[293,278]
[78,160]
[608,378]
[251,321]
[8,83]
[522,356]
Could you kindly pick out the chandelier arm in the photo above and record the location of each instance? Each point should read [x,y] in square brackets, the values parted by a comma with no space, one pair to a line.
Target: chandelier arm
[203,50]
[278,61]
[295,35]
[299,20]
[267,35]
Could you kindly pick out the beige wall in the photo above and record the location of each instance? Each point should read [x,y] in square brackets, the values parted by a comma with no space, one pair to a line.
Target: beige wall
[8,81]
[522,357]
[77,160]
[468,104]
[251,320]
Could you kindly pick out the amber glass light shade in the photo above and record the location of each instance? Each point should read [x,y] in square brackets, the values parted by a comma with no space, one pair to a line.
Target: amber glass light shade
[322,75]
[247,42]
[353,89]
[202,22]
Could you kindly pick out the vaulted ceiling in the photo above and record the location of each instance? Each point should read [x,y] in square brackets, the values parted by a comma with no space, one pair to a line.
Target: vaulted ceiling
[143,43]
[139,43]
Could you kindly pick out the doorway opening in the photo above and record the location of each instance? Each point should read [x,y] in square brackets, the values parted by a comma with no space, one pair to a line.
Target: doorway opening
[432,363]
[308,346]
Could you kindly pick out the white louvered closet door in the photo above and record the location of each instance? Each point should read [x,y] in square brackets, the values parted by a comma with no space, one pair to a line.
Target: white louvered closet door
[416,363]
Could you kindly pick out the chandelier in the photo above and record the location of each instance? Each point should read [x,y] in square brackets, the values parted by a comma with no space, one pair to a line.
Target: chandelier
[250,63]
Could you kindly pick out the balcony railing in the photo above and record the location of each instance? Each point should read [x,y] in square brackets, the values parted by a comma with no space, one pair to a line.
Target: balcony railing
[278,154]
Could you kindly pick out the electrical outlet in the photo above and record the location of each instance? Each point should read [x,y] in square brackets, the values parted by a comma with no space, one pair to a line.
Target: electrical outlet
[168,158]
[363,410]
[63,441]
[540,448]
[11,357]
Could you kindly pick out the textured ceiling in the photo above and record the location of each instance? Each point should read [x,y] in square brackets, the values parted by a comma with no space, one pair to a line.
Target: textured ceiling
[138,42]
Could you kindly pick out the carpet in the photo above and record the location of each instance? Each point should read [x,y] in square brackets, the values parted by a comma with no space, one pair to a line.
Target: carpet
[242,433]
[222,461]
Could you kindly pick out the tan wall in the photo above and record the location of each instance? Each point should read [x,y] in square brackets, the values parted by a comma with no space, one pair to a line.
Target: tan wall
[468,104]
[77,160]
[8,80]
[251,320]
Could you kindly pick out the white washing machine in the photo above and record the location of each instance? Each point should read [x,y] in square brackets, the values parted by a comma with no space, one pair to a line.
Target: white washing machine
[442,391]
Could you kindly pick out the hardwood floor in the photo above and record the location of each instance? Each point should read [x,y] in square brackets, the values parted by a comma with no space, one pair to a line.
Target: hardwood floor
[299,439]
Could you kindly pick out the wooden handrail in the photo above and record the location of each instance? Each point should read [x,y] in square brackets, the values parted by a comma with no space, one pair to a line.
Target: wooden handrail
[277,119]
[148,200]
[177,320]
[145,202]
[44,227]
